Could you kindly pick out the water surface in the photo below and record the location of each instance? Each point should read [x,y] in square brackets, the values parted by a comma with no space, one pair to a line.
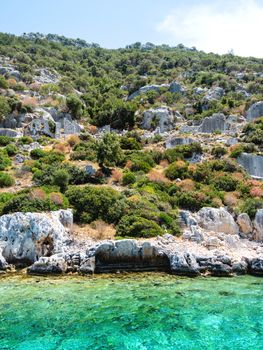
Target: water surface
[135,311]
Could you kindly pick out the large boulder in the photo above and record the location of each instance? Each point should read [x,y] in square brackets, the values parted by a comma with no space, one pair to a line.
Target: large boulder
[184,264]
[160,117]
[244,223]
[178,140]
[255,111]
[146,88]
[217,220]
[176,87]
[258,224]
[219,122]
[215,93]
[252,163]
[25,237]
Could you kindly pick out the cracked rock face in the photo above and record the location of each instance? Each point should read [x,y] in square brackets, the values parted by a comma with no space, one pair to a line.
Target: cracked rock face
[161,117]
[24,237]
[217,220]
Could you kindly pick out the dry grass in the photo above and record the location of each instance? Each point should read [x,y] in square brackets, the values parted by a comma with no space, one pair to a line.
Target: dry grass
[98,230]
[116,176]
[31,101]
[73,140]
[187,185]
[38,193]
[157,176]
[92,129]
[56,198]
[61,147]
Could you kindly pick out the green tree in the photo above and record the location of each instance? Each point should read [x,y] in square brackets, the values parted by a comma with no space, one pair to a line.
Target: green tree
[75,106]
[4,107]
[109,150]
[61,179]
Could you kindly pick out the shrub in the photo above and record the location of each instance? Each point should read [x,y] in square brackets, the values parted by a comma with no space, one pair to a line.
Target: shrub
[73,140]
[109,150]
[4,107]
[6,180]
[25,140]
[4,160]
[91,203]
[11,149]
[251,206]
[61,179]
[128,178]
[5,140]
[116,175]
[178,169]
[218,151]
[192,200]
[136,226]
[225,183]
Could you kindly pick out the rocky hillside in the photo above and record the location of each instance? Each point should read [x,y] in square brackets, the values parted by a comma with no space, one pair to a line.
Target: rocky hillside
[130,138]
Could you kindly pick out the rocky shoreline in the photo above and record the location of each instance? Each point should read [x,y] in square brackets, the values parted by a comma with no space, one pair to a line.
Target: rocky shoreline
[213,243]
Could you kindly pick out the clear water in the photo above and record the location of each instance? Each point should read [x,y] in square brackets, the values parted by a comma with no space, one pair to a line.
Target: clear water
[136,311]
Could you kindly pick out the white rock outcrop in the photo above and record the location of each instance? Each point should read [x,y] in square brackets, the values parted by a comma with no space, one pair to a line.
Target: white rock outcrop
[24,237]
[258,224]
[161,117]
[244,223]
[217,220]
[255,111]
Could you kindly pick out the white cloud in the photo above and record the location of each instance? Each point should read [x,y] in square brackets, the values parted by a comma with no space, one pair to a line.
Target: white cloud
[217,27]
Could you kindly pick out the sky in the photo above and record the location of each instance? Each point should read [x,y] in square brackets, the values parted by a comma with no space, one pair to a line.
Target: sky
[218,26]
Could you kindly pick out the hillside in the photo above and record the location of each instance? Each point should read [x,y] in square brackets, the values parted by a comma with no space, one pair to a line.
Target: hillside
[128,138]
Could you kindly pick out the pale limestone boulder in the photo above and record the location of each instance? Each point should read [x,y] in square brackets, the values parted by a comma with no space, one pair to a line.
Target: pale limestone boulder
[217,220]
[244,223]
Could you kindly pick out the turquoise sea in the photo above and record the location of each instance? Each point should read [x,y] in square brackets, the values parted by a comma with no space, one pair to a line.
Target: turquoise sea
[133,311]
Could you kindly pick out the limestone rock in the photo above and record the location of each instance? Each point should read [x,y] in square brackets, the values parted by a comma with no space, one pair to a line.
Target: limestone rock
[215,93]
[24,237]
[55,264]
[252,163]
[176,87]
[217,220]
[146,88]
[161,117]
[244,223]
[255,111]
[256,266]
[258,224]
[184,264]
[130,255]
[178,140]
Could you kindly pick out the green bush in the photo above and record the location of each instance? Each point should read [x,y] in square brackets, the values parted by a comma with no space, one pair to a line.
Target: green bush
[37,153]
[177,169]
[136,226]
[128,178]
[192,200]
[251,205]
[25,140]
[5,140]
[225,183]
[218,151]
[5,161]
[91,203]
[11,149]
[61,179]
[6,180]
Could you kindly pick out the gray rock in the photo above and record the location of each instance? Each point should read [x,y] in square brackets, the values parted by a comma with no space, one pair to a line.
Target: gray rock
[256,266]
[24,237]
[219,122]
[176,87]
[53,265]
[178,140]
[244,223]
[184,264]
[129,255]
[215,93]
[161,117]
[255,111]
[217,220]
[252,163]
[87,266]
[146,88]
[10,133]
[258,224]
